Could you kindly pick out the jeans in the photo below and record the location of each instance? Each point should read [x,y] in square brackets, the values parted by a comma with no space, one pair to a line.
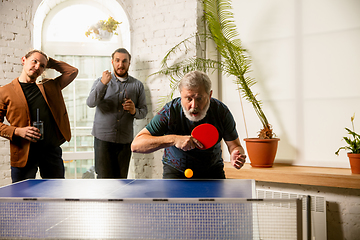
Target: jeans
[47,158]
[111,159]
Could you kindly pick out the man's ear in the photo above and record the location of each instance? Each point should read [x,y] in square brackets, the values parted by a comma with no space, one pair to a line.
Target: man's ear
[23,60]
[211,91]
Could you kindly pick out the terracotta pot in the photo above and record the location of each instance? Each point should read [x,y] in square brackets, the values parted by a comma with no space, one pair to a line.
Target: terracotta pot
[261,152]
[354,159]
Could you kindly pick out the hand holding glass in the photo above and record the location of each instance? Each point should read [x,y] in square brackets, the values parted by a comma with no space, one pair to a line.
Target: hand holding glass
[39,125]
[123,103]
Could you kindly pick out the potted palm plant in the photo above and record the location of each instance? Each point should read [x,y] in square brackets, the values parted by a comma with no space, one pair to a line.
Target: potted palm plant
[353,147]
[234,61]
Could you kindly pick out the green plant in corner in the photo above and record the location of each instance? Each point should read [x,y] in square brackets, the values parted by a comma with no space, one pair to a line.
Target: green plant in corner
[110,25]
[354,143]
[234,60]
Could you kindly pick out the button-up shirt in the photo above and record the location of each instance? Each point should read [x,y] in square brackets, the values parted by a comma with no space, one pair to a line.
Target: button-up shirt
[111,122]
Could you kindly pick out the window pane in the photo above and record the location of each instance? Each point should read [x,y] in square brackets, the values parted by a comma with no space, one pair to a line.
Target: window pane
[68,94]
[79,168]
[65,58]
[84,114]
[86,66]
[71,23]
[69,146]
[101,64]
[80,115]
[84,140]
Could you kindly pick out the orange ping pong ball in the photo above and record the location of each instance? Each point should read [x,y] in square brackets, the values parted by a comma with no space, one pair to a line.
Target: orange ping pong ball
[188,173]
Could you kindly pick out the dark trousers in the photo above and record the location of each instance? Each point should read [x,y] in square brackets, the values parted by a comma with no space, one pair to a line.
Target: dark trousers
[111,159]
[47,159]
[216,172]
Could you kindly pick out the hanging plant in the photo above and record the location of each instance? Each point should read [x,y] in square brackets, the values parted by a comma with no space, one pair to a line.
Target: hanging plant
[103,29]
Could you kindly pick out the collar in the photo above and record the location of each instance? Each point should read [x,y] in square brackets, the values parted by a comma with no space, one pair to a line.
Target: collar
[122,79]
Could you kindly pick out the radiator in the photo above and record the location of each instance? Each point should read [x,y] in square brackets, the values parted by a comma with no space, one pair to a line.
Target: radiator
[317,223]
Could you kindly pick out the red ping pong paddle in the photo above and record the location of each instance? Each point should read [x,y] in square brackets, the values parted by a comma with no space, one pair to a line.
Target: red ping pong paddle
[207,134]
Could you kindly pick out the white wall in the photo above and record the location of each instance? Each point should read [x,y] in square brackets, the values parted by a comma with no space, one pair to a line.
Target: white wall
[306,58]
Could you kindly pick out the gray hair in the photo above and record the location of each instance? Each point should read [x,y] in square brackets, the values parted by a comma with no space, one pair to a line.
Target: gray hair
[195,79]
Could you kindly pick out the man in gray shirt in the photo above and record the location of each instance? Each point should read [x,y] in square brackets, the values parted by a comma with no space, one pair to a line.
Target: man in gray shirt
[118,98]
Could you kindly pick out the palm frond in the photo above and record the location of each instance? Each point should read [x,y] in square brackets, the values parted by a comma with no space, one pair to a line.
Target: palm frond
[222,27]
[176,71]
[235,59]
[181,68]
[182,46]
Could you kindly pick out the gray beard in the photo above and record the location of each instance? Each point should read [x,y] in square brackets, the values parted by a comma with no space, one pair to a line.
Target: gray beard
[198,118]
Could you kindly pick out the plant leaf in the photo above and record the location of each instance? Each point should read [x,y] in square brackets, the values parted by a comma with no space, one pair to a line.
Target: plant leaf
[235,60]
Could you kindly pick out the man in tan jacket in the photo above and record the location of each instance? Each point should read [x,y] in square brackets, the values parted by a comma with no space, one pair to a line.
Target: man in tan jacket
[24,101]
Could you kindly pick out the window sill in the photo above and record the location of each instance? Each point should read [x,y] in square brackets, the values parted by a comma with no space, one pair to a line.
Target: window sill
[284,173]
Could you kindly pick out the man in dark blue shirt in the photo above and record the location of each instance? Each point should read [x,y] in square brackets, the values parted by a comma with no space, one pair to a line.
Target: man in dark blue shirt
[171,129]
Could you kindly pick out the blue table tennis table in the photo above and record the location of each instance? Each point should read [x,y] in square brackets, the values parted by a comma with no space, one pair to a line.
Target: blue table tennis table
[139,209]
[123,209]
[129,188]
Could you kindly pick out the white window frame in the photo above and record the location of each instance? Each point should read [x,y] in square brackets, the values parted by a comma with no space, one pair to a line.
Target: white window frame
[48,8]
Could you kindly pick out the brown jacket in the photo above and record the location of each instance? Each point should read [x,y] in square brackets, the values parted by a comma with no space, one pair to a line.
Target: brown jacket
[13,106]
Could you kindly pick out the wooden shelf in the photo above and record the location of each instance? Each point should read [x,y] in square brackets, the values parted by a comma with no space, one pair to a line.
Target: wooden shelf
[284,173]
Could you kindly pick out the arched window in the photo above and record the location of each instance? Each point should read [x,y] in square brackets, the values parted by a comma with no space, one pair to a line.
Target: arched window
[59,30]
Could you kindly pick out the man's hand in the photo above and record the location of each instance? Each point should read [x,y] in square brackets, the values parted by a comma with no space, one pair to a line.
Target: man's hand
[129,106]
[106,77]
[186,143]
[144,142]
[29,133]
[237,159]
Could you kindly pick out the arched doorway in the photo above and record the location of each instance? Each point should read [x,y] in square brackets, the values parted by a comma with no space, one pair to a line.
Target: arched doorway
[59,30]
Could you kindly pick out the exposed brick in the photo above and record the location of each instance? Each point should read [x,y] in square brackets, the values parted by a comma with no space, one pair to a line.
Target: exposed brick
[153,34]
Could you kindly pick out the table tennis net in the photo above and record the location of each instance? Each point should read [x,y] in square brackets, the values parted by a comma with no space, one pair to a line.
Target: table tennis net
[151,219]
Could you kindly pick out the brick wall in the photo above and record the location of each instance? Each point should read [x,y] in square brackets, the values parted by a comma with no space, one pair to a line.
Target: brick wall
[156,26]
[15,40]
